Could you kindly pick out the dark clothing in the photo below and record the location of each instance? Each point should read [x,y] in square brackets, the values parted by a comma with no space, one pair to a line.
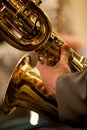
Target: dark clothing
[72,98]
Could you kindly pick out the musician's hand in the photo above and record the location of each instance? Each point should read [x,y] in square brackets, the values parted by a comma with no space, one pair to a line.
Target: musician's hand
[49,74]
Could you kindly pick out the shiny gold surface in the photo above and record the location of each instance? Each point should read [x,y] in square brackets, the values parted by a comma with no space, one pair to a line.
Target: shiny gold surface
[24,91]
[29,26]
[26,27]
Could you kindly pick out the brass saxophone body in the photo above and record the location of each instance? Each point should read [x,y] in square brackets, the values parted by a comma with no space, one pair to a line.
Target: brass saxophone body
[26,27]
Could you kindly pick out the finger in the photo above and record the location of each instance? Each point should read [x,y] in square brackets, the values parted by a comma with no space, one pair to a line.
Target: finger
[65,52]
[50,96]
[40,66]
[43,90]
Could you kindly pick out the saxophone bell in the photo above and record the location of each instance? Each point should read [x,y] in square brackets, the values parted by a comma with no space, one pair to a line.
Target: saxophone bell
[23,91]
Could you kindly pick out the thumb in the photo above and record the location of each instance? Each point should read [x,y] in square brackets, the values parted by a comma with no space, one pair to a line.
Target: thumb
[65,52]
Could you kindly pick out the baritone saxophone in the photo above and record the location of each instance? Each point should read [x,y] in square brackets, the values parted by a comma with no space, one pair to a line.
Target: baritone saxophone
[25,26]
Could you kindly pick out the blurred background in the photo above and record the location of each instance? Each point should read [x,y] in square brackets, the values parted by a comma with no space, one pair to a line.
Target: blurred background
[66,16]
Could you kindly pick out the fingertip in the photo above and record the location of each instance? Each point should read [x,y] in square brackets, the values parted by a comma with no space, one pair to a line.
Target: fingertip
[65,52]
[66,47]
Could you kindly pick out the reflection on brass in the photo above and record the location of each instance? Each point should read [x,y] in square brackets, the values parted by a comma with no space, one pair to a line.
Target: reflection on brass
[24,90]
[26,27]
